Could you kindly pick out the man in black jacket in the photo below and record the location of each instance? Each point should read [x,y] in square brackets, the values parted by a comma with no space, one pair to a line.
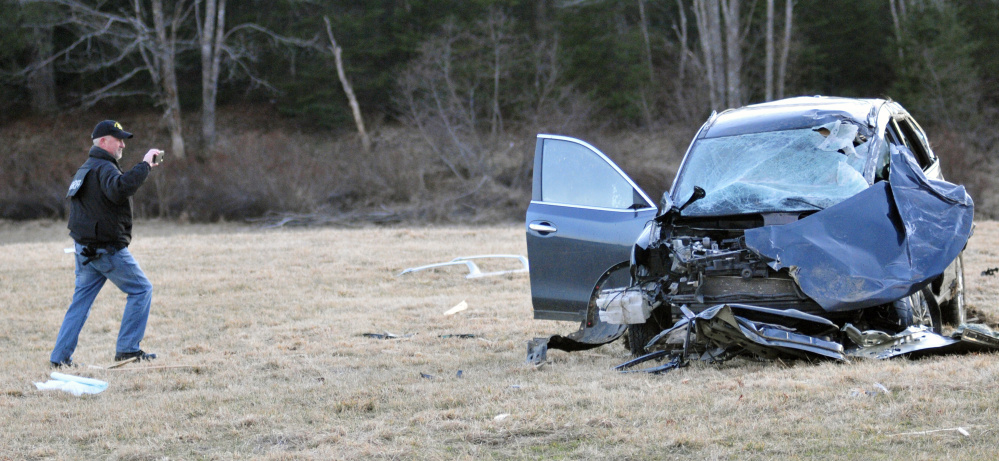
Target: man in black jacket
[100,222]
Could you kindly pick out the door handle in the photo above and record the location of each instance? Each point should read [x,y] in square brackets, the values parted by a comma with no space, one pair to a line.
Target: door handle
[543,228]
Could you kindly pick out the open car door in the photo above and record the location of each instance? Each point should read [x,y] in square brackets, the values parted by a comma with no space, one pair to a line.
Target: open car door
[584,217]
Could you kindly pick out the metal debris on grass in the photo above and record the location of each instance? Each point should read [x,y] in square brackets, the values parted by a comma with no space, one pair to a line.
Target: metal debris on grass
[878,389]
[960,430]
[473,269]
[386,335]
[724,332]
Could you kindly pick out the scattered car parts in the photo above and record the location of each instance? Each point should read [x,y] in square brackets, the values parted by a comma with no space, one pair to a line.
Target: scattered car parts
[719,334]
[386,335]
[473,269]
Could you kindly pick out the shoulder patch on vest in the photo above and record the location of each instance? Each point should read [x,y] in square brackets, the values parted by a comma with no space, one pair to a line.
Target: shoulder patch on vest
[74,186]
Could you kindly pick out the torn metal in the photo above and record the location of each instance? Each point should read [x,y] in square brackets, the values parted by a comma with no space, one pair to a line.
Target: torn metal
[919,341]
[727,331]
[885,243]
[580,340]
[537,350]
[473,269]
[591,334]
[386,335]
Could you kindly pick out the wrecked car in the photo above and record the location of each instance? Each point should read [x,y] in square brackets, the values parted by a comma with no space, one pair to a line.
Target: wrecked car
[809,226]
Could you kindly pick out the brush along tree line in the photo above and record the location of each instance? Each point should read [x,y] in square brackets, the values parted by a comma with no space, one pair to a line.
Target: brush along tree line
[466,78]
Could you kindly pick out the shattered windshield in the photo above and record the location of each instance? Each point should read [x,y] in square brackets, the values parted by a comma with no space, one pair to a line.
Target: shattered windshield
[801,169]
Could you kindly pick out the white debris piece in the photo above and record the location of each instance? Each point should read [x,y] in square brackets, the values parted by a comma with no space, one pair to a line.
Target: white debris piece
[457,308]
[76,385]
[473,269]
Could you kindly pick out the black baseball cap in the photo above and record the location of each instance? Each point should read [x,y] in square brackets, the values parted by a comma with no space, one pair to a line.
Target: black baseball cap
[110,127]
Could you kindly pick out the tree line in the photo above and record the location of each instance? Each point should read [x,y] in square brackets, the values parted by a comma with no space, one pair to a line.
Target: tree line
[463,73]
[638,61]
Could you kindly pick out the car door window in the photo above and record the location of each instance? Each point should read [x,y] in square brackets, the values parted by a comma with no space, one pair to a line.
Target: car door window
[918,136]
[904,131]
[894,134]
[576,175]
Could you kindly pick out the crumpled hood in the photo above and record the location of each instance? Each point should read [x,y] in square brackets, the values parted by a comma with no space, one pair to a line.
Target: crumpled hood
[884,243]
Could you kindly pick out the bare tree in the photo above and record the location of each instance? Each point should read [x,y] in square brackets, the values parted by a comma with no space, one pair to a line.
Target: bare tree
[39,75]
[355,108]
[719,26]
[41,80]
[547,73]
[232,48]
[733,53]
[681,36]
[647,95]
[713,52]
[898,13]
[558,107]
[440,93]
[769,66]
[429,100]
[645,36]
[211,32]
[785,48]
[143,40]
[689,93]
[498,35]
[163,57]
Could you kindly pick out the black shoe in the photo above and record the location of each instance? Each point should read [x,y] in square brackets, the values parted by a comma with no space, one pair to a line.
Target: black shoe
[138,355]
[68,363]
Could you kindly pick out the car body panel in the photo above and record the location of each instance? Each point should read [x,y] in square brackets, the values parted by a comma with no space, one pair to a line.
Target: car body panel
[572,241]
[884,243]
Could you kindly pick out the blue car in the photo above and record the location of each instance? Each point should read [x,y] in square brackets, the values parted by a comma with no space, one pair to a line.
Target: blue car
[823,206]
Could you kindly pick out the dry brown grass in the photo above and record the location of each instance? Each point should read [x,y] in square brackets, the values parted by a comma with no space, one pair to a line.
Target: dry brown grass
[270,322]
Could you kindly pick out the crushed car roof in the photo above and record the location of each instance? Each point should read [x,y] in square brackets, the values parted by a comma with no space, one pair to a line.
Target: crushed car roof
[788,114]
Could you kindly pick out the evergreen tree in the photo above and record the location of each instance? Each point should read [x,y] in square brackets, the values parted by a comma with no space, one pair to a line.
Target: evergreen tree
[937,79]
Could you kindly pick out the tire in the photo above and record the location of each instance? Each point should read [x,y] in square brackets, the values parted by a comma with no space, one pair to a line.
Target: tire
[953,312]
[920,309]
[640,334]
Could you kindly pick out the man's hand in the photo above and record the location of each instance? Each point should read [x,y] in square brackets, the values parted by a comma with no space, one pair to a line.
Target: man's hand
[153,157]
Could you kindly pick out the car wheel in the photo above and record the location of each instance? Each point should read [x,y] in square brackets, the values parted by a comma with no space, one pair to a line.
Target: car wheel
[640,334]
[924,310]
[953,312]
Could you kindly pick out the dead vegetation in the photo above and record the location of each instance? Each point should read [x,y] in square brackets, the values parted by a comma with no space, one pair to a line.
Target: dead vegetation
[269,325]
[267,168]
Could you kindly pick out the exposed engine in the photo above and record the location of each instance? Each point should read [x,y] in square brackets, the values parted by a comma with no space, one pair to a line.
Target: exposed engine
[700,267]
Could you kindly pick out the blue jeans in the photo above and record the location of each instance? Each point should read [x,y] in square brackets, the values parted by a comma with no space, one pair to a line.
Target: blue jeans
[122,269]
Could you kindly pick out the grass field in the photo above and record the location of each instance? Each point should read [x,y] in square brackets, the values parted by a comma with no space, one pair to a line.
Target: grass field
[261,350]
